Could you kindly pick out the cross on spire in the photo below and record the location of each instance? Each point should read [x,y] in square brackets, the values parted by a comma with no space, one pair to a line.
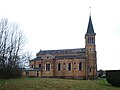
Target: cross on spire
[90,10]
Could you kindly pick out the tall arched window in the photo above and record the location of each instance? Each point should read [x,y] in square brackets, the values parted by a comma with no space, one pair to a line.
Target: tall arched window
[69,66]
[92,40]
[59,66]
[31,66]
[39,65]
[88,40]
[90,69]
[80,66]
[48,67]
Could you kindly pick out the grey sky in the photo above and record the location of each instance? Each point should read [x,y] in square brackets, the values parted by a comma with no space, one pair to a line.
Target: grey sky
[62,24]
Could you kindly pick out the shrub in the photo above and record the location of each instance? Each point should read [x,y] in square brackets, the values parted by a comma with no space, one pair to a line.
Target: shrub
[9,72]
[113,77]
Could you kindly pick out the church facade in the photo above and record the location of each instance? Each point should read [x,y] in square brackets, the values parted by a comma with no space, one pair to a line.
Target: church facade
[80,63]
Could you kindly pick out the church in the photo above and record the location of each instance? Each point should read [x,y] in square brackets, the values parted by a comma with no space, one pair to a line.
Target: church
[78,63]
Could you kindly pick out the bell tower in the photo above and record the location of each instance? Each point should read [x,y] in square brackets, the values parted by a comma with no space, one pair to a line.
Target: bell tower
[91,60]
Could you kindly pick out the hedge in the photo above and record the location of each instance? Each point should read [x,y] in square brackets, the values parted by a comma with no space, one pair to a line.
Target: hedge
[9,72]
[113,77]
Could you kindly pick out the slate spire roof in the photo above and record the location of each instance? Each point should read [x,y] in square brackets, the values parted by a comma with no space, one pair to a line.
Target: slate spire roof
[90,29]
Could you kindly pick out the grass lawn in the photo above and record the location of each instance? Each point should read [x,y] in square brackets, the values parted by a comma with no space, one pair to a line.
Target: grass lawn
[54,84]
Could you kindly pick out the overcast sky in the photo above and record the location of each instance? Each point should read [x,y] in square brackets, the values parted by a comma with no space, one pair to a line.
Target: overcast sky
[62,24]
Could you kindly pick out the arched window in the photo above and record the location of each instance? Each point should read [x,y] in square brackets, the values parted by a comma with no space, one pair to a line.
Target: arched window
[39,65]
[80,66]
[88,40]
[48,67]
[90,69]
[59,66]
[69,66]
[31,66]
[92,40]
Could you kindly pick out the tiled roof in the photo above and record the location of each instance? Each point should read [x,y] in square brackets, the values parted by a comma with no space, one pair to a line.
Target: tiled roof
[63,51]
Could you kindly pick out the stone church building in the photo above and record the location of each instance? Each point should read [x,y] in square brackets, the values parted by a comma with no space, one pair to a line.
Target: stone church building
[80,63]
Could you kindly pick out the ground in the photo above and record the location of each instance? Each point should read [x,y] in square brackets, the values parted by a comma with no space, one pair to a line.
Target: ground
[54,84]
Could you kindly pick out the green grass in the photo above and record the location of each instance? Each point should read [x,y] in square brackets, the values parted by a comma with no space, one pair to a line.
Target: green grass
[54,84]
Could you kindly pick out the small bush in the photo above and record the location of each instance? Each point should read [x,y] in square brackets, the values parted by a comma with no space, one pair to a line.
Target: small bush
[9,72]
[113,77]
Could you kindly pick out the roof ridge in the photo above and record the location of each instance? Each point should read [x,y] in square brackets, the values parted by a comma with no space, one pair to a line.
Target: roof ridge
[64,49]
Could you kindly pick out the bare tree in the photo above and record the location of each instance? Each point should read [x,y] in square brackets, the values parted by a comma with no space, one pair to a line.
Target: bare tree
[12,41]
[24,61]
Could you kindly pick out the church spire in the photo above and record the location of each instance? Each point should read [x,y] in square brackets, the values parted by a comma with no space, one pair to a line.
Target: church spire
[90,29]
